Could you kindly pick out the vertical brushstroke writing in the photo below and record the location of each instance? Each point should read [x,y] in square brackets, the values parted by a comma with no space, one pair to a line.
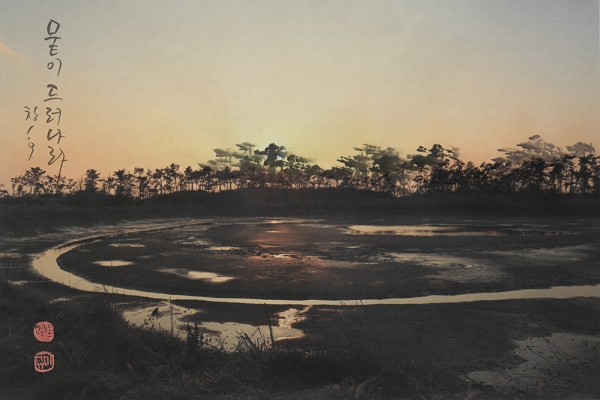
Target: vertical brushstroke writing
[52,30]
[53,99]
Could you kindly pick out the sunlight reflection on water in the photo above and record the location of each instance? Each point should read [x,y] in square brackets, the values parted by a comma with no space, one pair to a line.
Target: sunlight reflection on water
[207,276]
[113,263]
[170,315]
[424,230]
[222,248]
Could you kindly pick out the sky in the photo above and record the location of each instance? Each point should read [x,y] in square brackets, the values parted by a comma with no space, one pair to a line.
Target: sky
[150,83]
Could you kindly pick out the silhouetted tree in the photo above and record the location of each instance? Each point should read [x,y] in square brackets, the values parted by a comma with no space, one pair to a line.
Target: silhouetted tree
[123,183]
[536,166]
[60,184]
[585,175]
[91,180]
[274,156]
[33,179]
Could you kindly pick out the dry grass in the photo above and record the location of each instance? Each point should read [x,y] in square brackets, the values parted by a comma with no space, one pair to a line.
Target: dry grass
[99,356]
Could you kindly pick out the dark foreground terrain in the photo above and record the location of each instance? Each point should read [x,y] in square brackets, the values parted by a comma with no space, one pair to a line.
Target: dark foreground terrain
[428,351]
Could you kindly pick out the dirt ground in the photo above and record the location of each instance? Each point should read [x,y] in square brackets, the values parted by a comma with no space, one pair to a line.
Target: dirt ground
[296,260]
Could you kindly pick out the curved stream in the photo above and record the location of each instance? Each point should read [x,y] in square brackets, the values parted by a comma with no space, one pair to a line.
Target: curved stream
[46,264]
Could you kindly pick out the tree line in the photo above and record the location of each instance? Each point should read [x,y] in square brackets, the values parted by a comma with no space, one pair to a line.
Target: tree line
[535,166]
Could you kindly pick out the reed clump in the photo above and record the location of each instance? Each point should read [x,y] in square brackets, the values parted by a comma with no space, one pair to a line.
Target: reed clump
[99,355]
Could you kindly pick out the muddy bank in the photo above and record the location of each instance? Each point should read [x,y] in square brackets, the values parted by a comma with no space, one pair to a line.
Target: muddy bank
[470,337]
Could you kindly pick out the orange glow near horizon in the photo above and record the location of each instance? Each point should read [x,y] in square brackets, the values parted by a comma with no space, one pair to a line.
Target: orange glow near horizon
[161,84]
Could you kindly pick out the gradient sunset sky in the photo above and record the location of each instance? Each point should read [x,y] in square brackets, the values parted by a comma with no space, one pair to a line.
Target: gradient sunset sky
[150,83]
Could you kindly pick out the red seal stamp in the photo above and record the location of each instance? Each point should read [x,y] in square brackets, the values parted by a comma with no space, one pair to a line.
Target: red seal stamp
[43,331]
[43,361]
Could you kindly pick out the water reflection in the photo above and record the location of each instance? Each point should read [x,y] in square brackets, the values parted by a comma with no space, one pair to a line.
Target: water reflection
[168,316]
[448,267]
[113,263]
[434,230]
[559,356]
[222,248]
[207,276]
[210,276]
[48,267]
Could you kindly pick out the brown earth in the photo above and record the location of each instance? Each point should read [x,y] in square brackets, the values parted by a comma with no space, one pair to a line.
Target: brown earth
[416,339]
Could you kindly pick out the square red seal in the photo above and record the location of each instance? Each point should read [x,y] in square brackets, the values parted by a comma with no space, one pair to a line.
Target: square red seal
[43,361]
[43,331]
